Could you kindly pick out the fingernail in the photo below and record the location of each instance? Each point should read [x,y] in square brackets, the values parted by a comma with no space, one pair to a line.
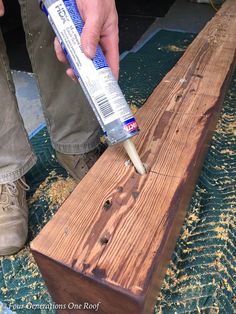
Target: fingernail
[90,51]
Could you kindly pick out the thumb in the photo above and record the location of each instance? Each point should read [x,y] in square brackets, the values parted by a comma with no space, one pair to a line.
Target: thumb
[90,36]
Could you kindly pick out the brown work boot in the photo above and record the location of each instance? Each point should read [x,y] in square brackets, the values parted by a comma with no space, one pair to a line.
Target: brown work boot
[13,216]
[79,165]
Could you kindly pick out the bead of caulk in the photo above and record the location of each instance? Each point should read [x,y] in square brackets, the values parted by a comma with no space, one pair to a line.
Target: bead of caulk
[134,157]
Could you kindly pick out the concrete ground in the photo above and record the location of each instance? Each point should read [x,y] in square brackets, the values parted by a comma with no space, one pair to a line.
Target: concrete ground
[183,16]
[27,94]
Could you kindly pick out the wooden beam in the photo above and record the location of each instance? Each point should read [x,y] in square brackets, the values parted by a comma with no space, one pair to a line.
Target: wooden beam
[111,240]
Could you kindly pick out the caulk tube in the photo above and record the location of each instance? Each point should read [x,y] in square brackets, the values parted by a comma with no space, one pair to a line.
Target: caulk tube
[95,77]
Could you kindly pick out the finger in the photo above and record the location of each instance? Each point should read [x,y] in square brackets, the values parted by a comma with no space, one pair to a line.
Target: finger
[91,35]
[71,74]
[110,47]
[59,51]
[2,11]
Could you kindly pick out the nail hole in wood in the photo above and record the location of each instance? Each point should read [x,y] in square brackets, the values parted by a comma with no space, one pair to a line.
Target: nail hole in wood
[99,273]
[85,266]
[197,75]
[120,189]
[135,194]
[107,205]
[178,97]
[104,240]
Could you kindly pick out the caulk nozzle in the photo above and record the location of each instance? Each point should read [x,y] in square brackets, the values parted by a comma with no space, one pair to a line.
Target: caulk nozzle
[134,157]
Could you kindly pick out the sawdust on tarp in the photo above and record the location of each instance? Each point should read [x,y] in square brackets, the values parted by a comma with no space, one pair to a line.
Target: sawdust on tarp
[37,287]
[54,190]
[175,48]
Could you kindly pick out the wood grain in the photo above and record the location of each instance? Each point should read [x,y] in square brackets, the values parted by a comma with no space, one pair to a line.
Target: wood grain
[112,238]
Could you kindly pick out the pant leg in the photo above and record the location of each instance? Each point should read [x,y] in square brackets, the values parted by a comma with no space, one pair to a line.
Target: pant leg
[70,120]
[16,156]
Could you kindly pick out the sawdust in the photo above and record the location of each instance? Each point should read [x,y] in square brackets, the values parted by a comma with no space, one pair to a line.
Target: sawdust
[29,267]
[174,48]
[192,218]
[216,36]
[227,152]
[103,139]
[4,290]
[221,233]
[60,190]
[185,234]
[135,102]
[170,273]
[39,193]
[133,108]
[230,126]
[54,189]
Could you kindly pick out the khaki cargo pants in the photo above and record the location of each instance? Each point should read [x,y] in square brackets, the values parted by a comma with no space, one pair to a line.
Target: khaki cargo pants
[71,123]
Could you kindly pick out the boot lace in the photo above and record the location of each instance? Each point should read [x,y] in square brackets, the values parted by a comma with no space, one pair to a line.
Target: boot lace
[9,193]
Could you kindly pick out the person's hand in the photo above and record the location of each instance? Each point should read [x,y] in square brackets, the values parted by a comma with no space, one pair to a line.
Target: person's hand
[2,11]
[101,26]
